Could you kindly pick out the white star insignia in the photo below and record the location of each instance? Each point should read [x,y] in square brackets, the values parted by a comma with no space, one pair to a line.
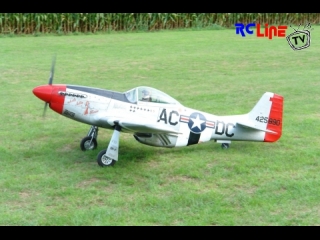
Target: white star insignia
[197,122]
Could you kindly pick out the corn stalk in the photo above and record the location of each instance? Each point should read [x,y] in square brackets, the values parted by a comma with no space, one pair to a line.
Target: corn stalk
[31,23]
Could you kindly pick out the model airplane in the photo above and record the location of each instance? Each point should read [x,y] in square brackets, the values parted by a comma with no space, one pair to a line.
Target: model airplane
[156,119]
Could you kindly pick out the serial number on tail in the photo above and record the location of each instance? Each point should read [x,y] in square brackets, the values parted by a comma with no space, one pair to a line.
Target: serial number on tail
[272,121]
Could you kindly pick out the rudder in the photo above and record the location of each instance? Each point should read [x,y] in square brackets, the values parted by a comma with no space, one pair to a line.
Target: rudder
[267,116]
[275,119]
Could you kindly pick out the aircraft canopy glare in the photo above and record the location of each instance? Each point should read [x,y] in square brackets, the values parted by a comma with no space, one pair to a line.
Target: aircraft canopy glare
[149,94]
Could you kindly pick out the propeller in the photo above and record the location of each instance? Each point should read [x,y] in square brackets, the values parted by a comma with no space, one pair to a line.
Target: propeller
[50,82]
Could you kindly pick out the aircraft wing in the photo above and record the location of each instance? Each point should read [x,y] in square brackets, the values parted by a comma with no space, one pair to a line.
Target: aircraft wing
[251,125]
[146,127]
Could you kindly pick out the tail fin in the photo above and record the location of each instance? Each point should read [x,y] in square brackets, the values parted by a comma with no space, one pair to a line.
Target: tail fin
[267,116]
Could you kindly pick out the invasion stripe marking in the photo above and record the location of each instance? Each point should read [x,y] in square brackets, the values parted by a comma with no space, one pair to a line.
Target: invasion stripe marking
[193,138]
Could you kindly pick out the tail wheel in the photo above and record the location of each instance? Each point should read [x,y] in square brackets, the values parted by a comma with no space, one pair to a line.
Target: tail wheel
[103,160]
[225,145]
[88,143]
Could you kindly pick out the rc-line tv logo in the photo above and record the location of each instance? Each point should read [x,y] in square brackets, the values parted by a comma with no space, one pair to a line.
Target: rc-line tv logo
[297,40]
[300,39]
[269,32]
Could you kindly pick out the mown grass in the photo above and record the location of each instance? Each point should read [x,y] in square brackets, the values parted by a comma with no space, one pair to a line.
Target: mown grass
[45,178]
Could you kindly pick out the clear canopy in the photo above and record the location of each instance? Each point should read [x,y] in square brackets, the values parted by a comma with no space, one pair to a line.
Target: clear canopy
[149,94]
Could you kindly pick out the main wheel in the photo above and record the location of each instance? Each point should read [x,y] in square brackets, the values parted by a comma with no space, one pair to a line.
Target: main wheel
[103,160]
[88,143]
[225,145]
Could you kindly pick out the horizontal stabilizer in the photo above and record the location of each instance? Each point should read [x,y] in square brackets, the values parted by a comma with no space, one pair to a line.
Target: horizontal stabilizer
[250,125]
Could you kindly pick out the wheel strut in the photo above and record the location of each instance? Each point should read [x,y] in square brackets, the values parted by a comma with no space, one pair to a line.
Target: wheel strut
[90,141]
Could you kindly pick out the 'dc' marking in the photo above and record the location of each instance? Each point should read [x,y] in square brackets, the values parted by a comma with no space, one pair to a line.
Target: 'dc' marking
[222,128]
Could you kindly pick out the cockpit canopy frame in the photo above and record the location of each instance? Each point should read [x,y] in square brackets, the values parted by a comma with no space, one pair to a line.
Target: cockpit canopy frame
[149,94]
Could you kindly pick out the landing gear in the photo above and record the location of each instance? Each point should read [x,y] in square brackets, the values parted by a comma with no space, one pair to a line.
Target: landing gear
[90,141]
[109,156]
[103,160]
[225,145]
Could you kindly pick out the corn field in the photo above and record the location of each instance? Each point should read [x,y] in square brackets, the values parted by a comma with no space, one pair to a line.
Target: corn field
[64,23]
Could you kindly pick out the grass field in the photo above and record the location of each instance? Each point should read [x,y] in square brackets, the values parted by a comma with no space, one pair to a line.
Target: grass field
[45,179]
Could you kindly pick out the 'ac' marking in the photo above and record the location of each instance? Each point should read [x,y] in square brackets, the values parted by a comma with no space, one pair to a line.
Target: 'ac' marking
[163,117]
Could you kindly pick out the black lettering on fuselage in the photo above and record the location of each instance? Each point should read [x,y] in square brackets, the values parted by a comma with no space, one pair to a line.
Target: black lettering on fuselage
[217,128]
[227,128]
[170,118]
[222,128]
[163,116]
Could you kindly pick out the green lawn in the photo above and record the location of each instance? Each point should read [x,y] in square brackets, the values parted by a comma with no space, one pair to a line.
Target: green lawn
[45,179]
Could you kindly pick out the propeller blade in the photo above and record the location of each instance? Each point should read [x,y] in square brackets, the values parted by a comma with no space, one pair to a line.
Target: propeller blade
[50,83]
[52,70]
[45,110]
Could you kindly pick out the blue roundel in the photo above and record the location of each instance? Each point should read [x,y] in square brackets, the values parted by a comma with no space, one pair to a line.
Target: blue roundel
[197,122]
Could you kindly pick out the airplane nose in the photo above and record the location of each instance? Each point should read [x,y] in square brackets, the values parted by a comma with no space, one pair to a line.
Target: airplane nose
[43,92]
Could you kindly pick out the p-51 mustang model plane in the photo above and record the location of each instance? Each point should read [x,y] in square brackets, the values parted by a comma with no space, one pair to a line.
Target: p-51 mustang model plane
[156,119]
